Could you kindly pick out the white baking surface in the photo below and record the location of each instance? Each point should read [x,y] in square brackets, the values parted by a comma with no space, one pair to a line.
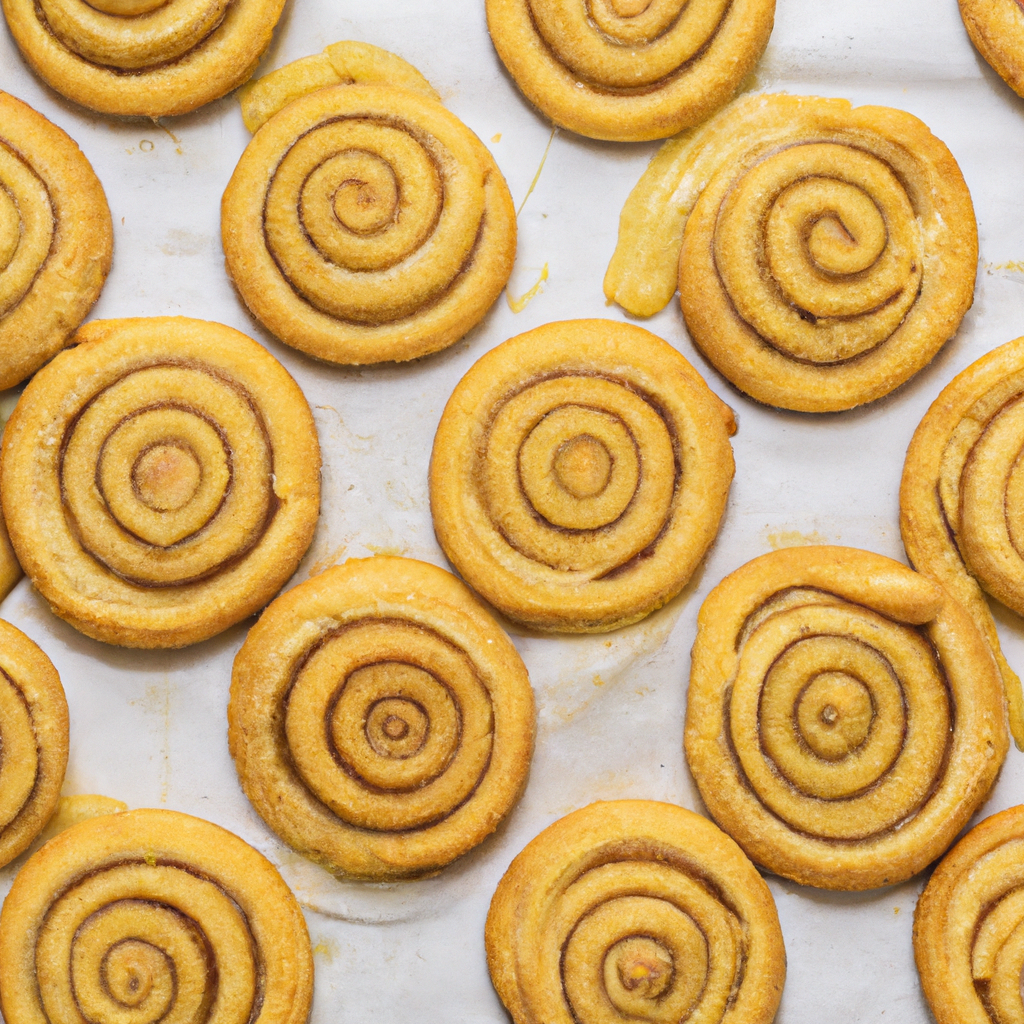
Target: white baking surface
[150,727]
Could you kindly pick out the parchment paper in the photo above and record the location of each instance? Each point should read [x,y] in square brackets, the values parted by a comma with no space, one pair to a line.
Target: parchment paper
[150,728]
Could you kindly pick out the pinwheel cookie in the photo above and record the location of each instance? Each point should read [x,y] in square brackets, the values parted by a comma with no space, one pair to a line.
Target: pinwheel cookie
[628,70]
[996,28]
[635,910]
[579,474]
[160,480]
[380,721]
[144,57]
[825,253]
[34,740]
[364,222]
[55,239]
[962,496]
[844,716]
[969,926]
[149,916]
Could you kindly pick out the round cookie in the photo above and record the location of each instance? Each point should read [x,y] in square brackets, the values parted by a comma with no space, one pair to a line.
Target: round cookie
[627,70]
[137,916]
[56,239]
[844,717]
[579,473]
[367,223]
[634,910]
[143,57]
[380,720]
[161,480]
[996,28]
[826,253]
[34,740]
[969,926]
[960,497]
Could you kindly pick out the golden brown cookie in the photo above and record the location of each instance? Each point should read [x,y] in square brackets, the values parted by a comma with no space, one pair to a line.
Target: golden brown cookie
[844,717]
[145,57]
[825,253]
[969,926]
[996,28]
[365,223]
[380,720]
[33,738]
[629,70]
[579,474]
[161,480]
[963,492]
[55,239]
[635,910]
[148,916]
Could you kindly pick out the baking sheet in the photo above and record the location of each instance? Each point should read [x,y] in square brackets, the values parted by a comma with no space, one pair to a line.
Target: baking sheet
[149,727]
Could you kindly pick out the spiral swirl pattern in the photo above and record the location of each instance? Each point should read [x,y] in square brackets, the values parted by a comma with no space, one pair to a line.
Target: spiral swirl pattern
[844,717]
[579,473]
[827,253]
[33,741]
[969,926]
[996,28]
[365,223]
[152,916]
[634,910]
[961,496]
[55,239]
[172,468]
[629,69]
[380,721]
[143,57]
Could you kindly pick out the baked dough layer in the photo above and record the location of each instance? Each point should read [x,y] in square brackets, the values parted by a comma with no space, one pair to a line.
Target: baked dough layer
[826,252]
[960,497]
[56,239]
[367,223]
[579,474]
[380,720]
[152,915]
[625,70]
[143,57]
[996,28]
[969,926]
[844,718]
[33,737]
[161,480]
[634,910]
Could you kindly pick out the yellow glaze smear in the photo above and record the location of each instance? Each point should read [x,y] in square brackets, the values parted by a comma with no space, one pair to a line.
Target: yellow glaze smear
[518,305]
[344,63]
[72,810]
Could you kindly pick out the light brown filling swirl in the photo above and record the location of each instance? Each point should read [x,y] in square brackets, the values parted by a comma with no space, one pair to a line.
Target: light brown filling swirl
[388,725]
[150,481]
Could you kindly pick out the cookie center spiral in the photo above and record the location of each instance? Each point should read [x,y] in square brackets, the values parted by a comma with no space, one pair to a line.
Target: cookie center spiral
[367,202]
[389,726]
[132,968]
[834,715]
[166,477]
[583,466]
[643,965]
[396,727]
